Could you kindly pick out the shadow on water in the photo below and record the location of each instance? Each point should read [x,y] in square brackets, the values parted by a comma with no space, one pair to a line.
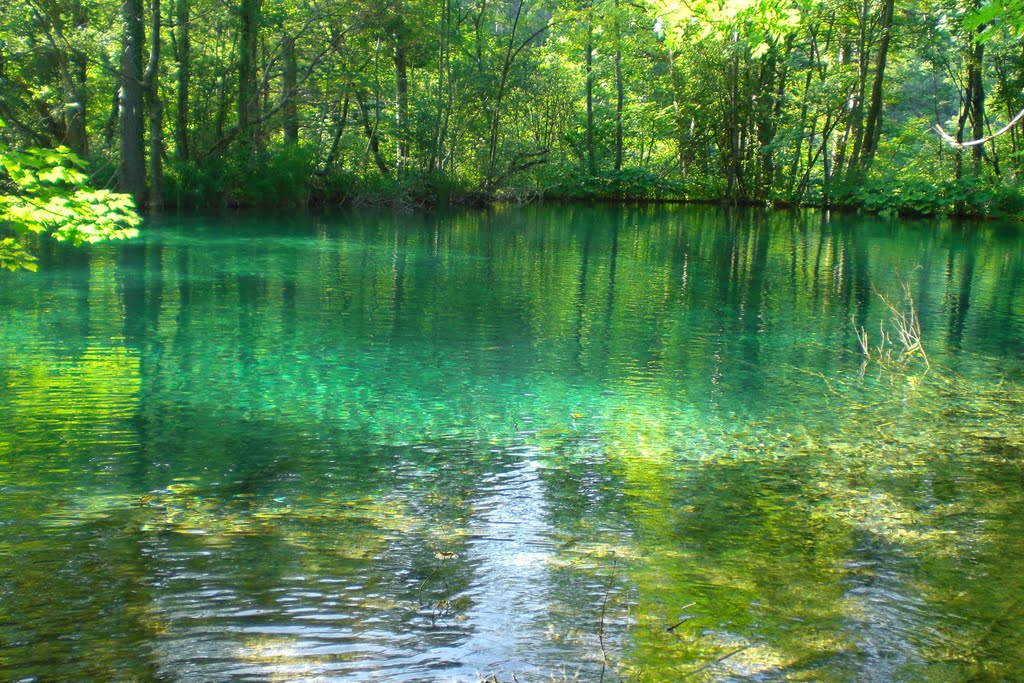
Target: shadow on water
[368,447]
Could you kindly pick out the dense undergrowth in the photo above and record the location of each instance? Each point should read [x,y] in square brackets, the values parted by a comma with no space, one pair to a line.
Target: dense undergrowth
[292,179]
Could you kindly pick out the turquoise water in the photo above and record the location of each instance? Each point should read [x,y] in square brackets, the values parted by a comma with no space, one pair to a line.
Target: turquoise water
[557,443]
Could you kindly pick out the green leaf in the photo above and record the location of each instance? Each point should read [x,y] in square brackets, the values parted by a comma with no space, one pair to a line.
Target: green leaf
[50,195]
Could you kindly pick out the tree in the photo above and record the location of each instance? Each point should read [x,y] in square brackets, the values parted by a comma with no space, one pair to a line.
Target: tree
[45,191]
[982,24]
[249,20]
[132,171]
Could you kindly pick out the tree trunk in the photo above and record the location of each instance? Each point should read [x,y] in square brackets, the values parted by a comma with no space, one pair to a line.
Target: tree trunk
[733,122]
[339,130]
[1003,85]
[683,124]
[492,147]
[112,124]
[976,102]
[770,84]
[221,116]
[248,93]
[856,123]
[69,125]
[401,88]
[132,169]
[794,163]
[401,106]
[589,47]
[619,90]
[289,81]
[77,135]
[371,135]
[156,112]
[443,108]
[972,110]
[835,162]
[873,121]
[183,57]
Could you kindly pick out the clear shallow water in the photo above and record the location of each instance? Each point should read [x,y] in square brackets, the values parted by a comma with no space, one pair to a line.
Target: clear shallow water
[530,442]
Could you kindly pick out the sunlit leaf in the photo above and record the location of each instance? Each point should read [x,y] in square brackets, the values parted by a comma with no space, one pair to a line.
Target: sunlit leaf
[50,195]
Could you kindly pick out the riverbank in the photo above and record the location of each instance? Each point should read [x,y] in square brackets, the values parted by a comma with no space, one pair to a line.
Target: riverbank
[284,182]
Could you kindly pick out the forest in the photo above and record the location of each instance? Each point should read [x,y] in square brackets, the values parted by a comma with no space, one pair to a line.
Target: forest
[202,104]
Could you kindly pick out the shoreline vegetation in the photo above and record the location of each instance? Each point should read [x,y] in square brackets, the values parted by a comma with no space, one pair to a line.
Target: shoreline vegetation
[966,199]
[193,104]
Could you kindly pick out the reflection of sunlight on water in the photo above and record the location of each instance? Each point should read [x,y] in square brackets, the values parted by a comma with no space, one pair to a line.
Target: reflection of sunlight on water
[386,616]
[529,559]
[510,552]
[889,624]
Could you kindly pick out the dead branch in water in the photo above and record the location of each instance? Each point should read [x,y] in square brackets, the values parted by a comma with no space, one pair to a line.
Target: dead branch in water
[907,323]
[600,626]
[719,660]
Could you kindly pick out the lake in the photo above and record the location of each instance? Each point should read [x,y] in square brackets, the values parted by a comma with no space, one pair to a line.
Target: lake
[530,444]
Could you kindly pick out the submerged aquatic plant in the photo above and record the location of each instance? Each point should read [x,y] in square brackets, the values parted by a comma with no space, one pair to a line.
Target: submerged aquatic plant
[906,323]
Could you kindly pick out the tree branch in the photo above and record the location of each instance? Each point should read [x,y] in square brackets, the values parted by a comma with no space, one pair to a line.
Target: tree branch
[980,141]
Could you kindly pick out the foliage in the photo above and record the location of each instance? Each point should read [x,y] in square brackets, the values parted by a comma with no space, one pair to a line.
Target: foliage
[921,197]
[192,185]
[46,191]
[627,184]
[754,101]
[275,180]
[997,14]
[13,255]
[760,22]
